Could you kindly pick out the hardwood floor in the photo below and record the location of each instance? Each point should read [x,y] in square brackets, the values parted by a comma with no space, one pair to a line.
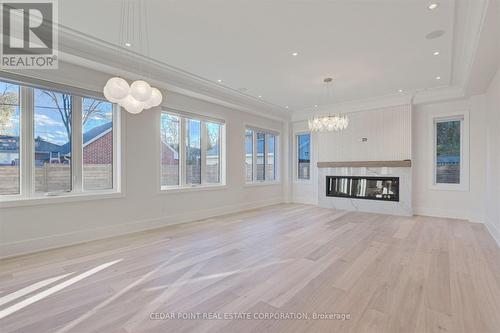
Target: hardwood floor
[384,273]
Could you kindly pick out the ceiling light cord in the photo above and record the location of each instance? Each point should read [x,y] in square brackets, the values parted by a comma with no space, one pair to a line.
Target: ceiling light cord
[139,95]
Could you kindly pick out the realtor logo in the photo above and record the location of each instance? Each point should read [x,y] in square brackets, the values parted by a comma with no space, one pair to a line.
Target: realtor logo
[29,34]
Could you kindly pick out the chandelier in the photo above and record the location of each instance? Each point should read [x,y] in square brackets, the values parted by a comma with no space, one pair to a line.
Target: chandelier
[328,123]
[139,95]
[134,98]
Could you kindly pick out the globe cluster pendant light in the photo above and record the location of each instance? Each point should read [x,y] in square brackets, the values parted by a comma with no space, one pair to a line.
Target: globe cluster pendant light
[139,95]
[134,98]
[328,123]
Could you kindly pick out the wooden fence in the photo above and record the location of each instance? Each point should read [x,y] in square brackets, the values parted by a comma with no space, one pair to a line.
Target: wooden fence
[57,177]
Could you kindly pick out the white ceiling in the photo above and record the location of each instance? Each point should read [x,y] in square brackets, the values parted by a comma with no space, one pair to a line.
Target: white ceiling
[371,48]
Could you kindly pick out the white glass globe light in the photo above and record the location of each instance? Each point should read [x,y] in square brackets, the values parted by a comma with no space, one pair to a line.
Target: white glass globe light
[156,97]
[132,105]
[148,104]
[117,88]
[108,95]
[140,90]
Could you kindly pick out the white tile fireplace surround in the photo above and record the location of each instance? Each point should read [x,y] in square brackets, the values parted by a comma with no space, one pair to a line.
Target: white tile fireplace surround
[402,207]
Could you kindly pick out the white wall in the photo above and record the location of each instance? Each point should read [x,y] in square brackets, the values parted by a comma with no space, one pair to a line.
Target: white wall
[31,228]
[457,204]
[493,157]
[388,134]
[426,201]
[388,131]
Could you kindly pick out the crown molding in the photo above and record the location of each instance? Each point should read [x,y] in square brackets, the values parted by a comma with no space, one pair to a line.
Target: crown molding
[473,13]
[86,51]
[421,96]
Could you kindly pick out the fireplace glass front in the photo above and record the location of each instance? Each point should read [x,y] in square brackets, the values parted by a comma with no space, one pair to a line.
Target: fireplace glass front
[372,188]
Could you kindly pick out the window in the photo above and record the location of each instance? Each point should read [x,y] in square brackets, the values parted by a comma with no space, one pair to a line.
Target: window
[270,172]
[169,150]
[260,160]
[63,143]
[449,160]
[213,153]
[9,139]
[52,141]
[248,155]
[197,162]
[303,142]
[193,151]
[260,155]
[97,139]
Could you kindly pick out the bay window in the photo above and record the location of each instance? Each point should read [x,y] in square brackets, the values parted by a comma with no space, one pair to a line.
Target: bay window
[55,143]
[192,151]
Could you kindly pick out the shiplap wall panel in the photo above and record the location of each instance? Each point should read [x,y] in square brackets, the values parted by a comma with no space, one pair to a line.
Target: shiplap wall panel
[388,131]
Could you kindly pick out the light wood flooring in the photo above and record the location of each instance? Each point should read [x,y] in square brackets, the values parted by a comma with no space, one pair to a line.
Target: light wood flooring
[385,273]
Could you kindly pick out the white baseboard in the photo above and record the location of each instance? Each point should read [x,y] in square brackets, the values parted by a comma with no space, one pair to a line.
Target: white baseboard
[445,213]
[55,241]
[304,200]
[494,232]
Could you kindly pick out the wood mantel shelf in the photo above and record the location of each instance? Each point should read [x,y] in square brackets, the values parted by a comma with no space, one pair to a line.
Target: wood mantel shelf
[366,164]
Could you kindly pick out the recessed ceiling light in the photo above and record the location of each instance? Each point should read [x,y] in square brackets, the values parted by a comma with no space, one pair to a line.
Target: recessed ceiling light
[435,34]
[315,105]
[436,53]
[438,77]
[260,96]
[286,106]
[295,54]
[219,80]
[433,6]
[400,90]
[127,44]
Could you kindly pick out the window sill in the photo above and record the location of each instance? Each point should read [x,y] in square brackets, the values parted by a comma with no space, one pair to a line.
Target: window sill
[303,181]
[56,199]
[263,183]
[452,187]
[194,188]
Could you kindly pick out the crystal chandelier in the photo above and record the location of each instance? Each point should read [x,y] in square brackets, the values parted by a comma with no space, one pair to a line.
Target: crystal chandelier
[328,123]
[139,95]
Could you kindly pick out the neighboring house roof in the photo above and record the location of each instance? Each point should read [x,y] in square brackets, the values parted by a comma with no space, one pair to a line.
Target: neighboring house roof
[11,144]
[214,151]
[175,154]
[89,136]
[45,146]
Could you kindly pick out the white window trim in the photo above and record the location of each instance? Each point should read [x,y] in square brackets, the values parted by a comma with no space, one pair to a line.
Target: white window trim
[182,187]
[464,150]
[277,160]
[27,195]
[296,178]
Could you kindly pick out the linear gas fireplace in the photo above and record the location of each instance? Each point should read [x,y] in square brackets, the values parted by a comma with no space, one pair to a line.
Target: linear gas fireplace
[372,188]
